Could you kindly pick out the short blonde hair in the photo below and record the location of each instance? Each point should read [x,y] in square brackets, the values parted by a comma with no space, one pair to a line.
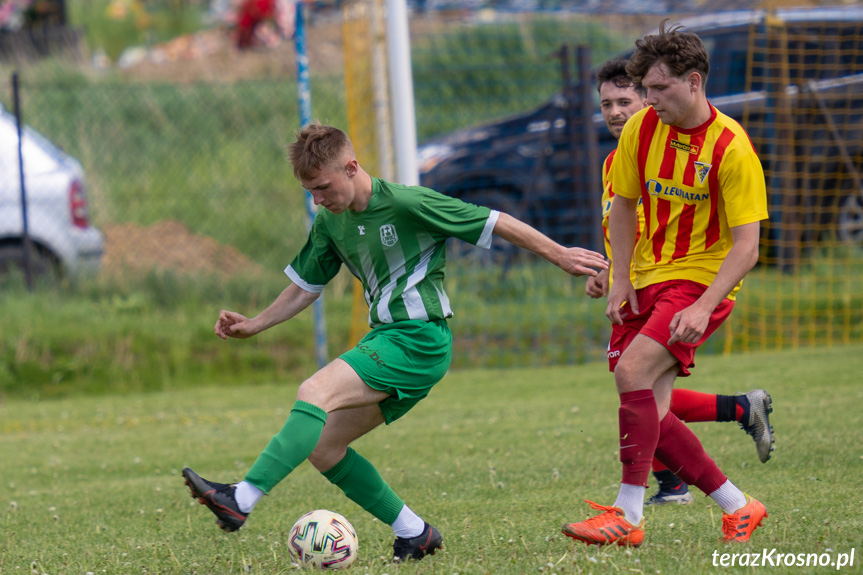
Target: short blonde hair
[318,146]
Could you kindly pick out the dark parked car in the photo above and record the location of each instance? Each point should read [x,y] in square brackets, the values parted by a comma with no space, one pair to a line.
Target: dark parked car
[801,102]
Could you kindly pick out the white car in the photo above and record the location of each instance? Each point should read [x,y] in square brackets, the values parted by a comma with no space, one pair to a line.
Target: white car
[58,221]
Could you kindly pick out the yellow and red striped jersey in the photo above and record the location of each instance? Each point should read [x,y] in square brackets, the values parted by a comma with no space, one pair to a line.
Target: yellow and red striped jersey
[695,185]
[607,198]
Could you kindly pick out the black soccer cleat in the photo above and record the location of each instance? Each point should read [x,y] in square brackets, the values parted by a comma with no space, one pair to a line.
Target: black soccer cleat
[426,543]
[219,498]
[681,496]
[757,407]
[672,489]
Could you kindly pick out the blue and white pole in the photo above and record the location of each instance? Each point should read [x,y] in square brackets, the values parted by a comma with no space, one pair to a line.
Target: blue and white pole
[304,95]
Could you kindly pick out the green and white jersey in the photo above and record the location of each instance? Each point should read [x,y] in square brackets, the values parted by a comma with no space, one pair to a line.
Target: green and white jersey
[395,247]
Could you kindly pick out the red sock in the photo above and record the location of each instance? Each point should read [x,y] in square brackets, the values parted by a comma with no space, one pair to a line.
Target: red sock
[682,452]
[691,406]
[639,432]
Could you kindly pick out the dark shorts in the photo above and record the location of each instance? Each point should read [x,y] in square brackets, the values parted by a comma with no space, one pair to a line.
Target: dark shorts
[658,304]
[404,359]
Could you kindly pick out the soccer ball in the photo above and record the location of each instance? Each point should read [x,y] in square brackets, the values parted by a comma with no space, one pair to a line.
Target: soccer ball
[323,539]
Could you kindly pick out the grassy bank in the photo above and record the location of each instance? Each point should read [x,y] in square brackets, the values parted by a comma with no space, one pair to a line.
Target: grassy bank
[107,338]
[154,331]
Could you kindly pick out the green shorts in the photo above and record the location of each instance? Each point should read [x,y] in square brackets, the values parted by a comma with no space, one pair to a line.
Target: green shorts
[404,359]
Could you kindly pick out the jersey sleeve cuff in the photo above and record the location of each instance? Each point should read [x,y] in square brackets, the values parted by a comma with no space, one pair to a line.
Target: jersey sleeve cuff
[748,220]
[300,282]
[485,238]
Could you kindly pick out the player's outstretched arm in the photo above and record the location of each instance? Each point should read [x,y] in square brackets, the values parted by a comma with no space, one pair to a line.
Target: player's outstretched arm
[290,302]
[574,261]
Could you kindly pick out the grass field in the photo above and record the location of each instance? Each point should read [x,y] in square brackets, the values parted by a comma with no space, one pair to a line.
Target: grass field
[498,460]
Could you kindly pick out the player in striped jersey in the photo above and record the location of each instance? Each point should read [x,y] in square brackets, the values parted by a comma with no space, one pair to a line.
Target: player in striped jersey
[619,99]
[392,238]
[704,197]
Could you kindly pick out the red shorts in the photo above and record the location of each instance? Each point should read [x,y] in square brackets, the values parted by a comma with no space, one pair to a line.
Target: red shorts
[658,304]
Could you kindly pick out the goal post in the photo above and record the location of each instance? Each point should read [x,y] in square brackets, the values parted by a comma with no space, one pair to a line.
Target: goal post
[368,107]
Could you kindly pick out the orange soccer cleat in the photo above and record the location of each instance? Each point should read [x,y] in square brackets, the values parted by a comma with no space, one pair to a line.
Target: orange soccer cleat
[739,526]
[608,527]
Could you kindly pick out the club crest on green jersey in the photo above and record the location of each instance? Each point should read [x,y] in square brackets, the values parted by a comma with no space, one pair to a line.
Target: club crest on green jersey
[389,237]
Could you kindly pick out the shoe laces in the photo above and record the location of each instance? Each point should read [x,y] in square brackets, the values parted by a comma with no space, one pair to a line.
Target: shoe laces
[731,523]
[611,515]
[223,489]
[749,429]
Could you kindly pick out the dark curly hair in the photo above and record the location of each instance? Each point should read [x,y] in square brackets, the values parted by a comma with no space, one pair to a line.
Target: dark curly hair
[682,52]
[614,71]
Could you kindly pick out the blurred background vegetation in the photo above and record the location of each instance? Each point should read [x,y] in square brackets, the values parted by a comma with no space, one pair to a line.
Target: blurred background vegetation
[186,175]
[199,145]
[112,26]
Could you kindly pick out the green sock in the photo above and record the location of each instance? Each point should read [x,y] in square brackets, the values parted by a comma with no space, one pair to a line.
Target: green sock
[288,448]
[363,485]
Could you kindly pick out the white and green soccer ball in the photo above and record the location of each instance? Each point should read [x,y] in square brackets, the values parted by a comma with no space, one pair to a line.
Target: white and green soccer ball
[324,540]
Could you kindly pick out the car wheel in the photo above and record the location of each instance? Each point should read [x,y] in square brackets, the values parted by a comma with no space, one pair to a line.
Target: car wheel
[849,224]
[41,264]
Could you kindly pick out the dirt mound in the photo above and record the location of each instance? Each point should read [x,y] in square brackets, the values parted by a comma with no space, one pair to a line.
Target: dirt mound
[211,56]
[169,246]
